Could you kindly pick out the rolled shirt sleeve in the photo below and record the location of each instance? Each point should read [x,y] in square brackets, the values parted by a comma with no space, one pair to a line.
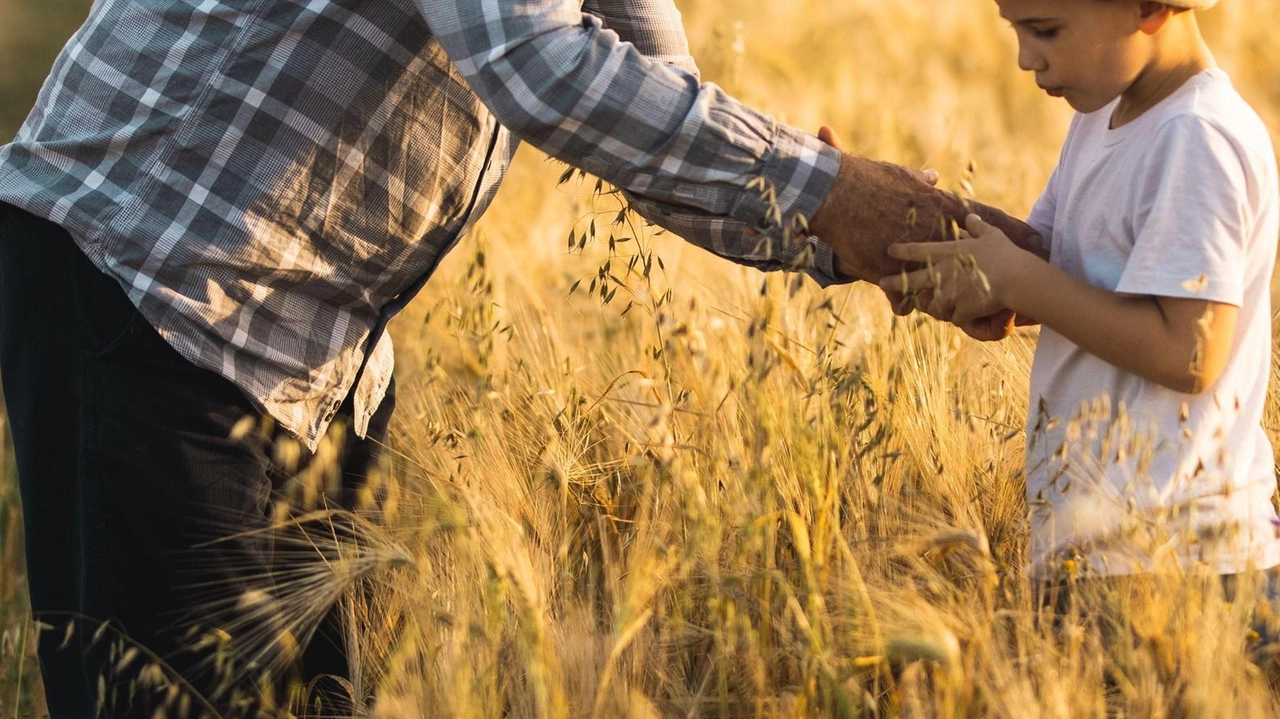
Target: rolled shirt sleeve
[653,26]
[706,165]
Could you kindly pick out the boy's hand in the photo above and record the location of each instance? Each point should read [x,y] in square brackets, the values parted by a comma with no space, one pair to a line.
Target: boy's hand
[962,280]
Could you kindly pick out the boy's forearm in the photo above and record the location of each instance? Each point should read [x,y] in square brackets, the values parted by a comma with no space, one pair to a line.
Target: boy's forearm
[1129,332]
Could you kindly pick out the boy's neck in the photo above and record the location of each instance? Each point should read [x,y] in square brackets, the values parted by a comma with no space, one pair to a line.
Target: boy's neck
[1177,54]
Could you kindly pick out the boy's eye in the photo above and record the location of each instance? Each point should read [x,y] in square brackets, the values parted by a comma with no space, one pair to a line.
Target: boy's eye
[1044,33]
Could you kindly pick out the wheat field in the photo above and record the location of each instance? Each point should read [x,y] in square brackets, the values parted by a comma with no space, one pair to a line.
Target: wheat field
[629,479]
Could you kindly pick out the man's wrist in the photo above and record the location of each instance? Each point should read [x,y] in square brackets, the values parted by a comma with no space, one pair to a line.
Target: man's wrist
[831,213]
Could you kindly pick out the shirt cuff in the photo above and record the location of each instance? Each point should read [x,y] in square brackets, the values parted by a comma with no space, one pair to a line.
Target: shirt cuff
[822,268]
[797,173]
[772,248]
[807,254]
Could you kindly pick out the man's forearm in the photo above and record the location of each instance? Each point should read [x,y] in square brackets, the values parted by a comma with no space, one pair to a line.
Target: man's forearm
[557,80]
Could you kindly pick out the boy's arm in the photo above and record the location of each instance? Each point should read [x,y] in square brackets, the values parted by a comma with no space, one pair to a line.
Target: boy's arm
[1180,343]
[1177,342]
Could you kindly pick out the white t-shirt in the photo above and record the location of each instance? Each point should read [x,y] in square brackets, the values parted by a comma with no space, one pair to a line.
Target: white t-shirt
[1122,472]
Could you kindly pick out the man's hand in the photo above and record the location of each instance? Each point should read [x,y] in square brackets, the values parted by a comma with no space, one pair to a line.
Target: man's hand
[897,301]
[992,328]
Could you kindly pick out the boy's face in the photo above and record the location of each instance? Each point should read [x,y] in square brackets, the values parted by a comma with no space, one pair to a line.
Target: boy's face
[1086,51]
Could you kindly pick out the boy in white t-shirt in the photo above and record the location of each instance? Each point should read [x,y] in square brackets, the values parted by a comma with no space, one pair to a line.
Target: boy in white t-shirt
[1145,449]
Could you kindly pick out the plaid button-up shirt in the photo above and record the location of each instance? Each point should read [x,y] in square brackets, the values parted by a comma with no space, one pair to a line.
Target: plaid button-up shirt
[271,180]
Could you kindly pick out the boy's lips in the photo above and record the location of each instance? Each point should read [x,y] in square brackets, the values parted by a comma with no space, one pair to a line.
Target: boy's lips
[1052,91]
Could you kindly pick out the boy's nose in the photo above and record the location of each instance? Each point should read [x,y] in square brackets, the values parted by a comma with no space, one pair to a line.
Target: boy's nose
[1029,60]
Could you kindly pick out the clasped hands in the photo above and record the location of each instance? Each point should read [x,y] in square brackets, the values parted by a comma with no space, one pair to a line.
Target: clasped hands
[961,281]
[926,248]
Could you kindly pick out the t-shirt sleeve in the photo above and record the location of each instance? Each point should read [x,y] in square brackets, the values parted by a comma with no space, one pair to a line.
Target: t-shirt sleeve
[1042,213]
[1045,209]
[1189,227]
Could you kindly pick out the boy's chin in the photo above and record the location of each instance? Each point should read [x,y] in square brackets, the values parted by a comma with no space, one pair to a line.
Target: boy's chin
[1088,105]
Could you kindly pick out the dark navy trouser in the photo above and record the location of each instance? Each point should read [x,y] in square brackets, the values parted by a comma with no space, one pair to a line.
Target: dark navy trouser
[127,468]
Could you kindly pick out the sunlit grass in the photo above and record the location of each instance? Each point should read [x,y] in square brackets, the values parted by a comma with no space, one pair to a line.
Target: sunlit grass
[729,494]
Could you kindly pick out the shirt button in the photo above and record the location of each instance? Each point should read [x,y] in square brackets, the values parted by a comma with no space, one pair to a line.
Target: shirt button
[333,410]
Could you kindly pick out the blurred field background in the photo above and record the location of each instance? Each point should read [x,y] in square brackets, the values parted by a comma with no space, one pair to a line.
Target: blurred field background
[722,493]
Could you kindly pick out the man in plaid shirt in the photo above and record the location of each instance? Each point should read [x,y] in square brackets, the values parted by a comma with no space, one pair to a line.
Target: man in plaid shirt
[215,207]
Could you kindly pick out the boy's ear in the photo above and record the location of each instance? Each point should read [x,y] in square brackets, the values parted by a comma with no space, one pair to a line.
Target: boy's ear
[1152,16]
